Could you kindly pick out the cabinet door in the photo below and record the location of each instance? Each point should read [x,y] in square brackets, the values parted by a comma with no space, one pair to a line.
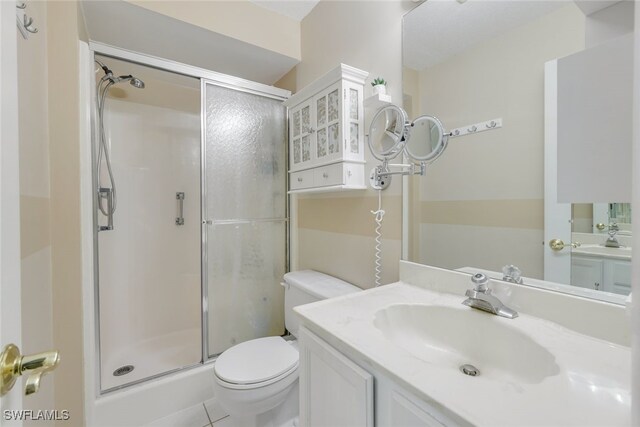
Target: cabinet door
[617,276]
[587,272]
[301,135]
[406,412]
[353,121]
[328,113]
[334,391]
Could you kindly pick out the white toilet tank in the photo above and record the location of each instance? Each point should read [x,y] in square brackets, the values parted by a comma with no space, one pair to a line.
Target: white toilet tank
[306,286]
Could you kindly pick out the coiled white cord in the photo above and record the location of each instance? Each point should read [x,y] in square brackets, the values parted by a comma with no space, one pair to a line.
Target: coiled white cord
[379,214]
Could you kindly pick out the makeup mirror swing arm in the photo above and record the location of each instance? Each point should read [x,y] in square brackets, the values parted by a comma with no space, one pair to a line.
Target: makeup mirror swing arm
[381,175]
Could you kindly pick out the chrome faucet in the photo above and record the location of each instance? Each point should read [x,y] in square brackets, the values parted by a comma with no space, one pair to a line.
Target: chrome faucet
[612,242]
[480,297]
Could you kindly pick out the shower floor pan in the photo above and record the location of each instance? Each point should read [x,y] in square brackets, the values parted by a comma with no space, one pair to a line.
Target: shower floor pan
[151,357]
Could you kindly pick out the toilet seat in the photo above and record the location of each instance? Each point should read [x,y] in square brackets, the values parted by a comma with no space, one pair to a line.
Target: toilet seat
[256,363]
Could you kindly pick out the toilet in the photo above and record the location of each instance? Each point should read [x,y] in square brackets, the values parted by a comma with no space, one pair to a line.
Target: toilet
[256,381]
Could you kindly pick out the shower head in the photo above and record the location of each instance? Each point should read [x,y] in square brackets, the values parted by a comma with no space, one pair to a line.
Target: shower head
[108,76]
[137,83]
[133,81]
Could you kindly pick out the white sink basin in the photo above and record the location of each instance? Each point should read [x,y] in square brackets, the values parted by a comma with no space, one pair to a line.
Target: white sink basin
[450,337]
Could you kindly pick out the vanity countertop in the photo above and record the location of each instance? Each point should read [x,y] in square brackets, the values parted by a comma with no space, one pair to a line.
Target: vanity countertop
[591,385]
[598,250]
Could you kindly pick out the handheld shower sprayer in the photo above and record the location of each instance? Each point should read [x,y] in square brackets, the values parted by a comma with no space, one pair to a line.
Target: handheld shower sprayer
[107,195]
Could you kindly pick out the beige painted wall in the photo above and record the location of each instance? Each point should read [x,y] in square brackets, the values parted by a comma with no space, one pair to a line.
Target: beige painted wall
[35,239]
[466,194]
[49,194]
[63,33]
[335,232]
[239,19]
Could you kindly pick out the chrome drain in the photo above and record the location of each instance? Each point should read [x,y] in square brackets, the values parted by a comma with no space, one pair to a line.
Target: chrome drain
[123,370]
[470,370]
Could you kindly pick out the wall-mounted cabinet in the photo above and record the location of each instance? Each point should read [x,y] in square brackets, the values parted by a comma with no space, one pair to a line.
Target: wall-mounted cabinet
[326,133]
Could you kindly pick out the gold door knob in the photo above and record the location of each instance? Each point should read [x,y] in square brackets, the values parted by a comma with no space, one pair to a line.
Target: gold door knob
[600,226]
[13,365]
[558,245]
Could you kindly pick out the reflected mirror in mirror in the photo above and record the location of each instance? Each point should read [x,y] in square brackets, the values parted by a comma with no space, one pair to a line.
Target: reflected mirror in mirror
[387,132]
[482,205]
[427,139]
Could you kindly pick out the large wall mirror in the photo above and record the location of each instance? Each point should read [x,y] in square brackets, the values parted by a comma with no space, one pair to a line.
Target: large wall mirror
[526,182]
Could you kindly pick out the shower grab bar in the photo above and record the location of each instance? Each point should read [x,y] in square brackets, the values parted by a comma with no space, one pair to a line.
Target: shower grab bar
[242,221]
[180,199]
[107,193]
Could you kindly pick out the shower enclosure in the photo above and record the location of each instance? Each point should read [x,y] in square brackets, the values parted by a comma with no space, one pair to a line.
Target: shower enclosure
[189,256]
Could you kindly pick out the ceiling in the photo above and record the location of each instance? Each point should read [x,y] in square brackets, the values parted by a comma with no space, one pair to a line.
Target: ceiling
[296,9]
[439,29]
[127,26]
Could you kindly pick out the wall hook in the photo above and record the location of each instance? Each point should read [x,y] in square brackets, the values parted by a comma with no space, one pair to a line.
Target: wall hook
[22,5]
[27,24]
[477,128]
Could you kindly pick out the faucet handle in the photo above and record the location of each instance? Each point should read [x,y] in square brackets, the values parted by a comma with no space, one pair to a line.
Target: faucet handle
[480,282]
[511,273]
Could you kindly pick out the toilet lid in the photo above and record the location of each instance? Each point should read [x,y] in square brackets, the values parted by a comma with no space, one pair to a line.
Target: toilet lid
[256,361]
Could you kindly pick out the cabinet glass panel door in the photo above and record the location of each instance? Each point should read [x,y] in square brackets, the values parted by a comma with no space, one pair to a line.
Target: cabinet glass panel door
[301,135]
[354,121]
[245,213]
[328,107]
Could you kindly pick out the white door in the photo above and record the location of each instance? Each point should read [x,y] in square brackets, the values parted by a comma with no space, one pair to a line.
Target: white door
[600,217]
[10,323]
[557,216]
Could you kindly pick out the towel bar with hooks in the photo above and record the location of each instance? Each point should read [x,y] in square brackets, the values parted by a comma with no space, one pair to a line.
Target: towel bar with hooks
[476,128]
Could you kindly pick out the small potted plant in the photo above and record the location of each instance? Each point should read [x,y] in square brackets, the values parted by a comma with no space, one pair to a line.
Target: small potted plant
[379,86]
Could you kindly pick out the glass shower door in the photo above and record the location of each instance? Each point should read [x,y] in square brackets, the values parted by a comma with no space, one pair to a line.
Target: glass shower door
[245,215]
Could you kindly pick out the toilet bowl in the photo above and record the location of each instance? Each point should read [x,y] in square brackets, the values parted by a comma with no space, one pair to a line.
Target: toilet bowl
[256,381]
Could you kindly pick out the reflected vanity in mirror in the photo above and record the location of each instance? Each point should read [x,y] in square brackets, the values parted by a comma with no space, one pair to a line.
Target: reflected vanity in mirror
[505,198]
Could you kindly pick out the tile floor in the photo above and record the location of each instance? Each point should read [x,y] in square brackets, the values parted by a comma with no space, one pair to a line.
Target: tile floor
[207,414]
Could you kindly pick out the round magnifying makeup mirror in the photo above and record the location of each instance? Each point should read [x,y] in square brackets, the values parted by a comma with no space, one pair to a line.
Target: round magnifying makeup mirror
[387,133]
[427,141]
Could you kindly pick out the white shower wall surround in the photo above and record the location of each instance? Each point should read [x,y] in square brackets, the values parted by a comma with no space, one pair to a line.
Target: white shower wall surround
[150,295]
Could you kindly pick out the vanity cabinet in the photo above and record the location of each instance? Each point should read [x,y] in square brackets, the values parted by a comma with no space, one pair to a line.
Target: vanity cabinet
[326,133]
[617,276]
[338,392]
[334,391]
[587,272]
[605,274]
